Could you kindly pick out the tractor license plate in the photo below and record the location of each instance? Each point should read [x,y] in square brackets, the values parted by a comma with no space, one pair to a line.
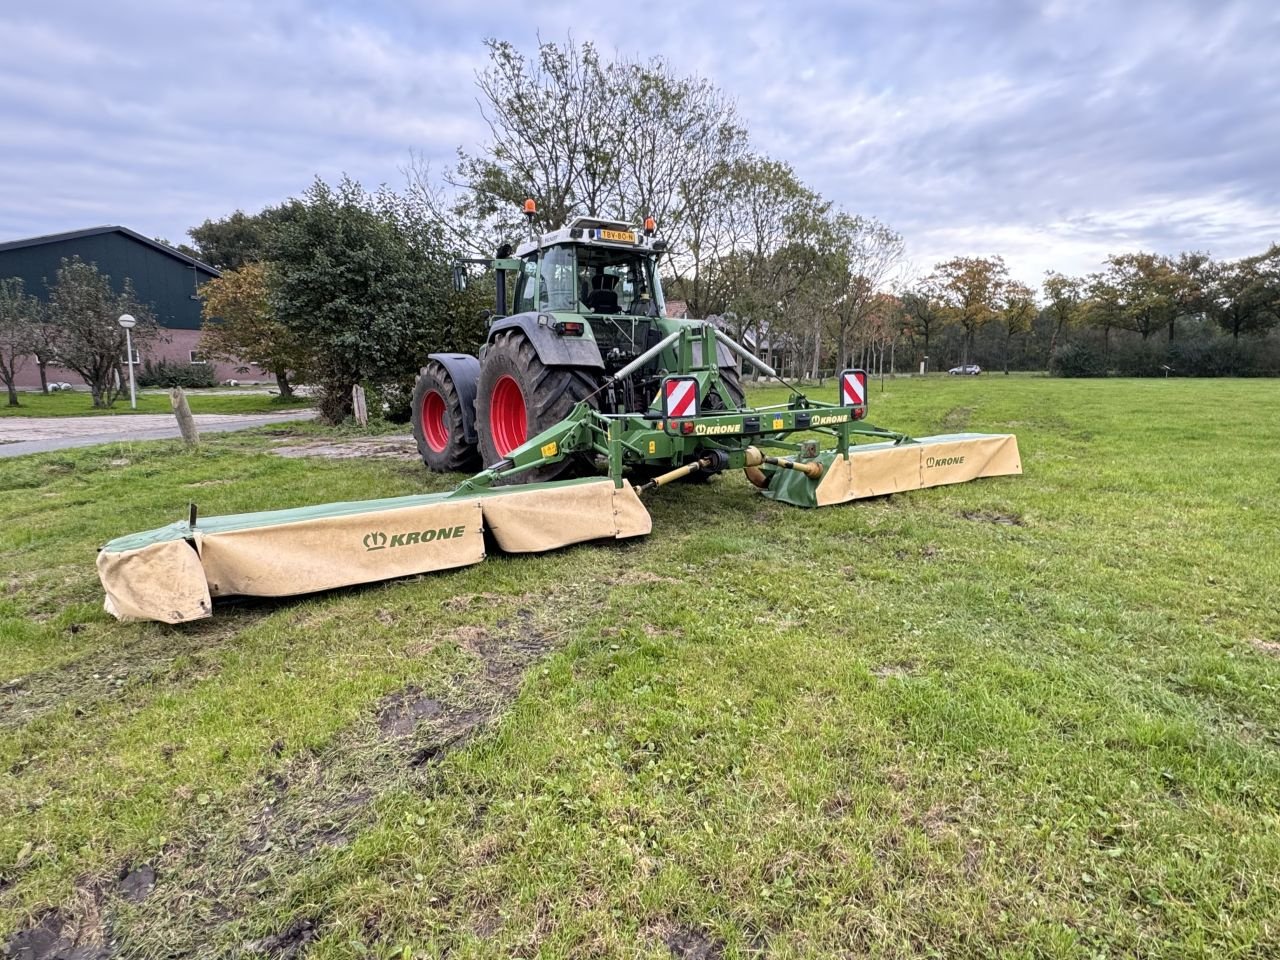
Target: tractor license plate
[621,236]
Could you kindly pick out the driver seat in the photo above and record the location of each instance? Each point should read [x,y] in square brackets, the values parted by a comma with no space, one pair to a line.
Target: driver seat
[602,298]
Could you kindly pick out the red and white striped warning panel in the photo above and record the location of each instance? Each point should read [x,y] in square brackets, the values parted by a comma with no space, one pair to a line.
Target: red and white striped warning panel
[680,397]
[853,392]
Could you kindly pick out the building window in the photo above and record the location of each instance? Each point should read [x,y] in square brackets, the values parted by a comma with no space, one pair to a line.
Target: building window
[197,357]
[137,358]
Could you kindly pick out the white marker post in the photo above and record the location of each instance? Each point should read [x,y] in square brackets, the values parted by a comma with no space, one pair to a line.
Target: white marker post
[126,320]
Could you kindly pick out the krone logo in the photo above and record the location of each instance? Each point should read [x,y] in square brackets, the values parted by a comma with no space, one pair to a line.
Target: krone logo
[377,540]
[943,461]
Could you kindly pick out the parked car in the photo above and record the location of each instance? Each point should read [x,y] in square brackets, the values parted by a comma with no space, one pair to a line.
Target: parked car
[968,370]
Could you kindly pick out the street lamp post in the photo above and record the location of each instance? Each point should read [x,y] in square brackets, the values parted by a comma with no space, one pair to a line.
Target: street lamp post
[127,321]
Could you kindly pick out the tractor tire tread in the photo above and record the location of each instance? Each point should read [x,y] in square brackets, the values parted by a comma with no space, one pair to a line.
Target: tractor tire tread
[551,393]
[458,456]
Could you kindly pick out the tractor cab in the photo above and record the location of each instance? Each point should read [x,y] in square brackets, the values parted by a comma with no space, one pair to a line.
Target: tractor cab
[591,267]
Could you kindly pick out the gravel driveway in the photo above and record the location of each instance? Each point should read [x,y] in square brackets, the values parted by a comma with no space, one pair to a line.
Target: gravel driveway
[19,435]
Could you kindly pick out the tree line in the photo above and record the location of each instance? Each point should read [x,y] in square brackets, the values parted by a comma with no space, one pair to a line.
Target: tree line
[1142,314]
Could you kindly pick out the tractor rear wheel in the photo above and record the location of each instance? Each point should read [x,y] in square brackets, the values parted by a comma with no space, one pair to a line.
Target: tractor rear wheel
[438,422]
[519,396]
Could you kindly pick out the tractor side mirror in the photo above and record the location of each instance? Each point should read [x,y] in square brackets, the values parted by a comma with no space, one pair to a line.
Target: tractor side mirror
[459,277]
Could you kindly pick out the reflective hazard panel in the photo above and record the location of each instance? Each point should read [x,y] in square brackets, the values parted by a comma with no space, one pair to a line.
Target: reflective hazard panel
[853,392]
[680,397]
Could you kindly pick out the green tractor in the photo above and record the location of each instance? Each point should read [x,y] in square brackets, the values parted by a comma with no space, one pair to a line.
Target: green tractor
[586,302]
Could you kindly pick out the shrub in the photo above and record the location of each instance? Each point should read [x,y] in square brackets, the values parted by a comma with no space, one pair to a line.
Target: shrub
[1077,358]
[1140,358]
[391,402]
[167,373]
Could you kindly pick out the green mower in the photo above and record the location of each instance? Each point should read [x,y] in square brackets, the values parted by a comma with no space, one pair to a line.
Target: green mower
[583,386]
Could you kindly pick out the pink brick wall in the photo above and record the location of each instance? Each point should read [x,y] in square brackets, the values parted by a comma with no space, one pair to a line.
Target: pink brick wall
[177,349]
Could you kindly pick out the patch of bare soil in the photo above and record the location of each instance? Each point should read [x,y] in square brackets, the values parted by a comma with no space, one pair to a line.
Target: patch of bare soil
[289,943]
[892,671]
[991,516]
[376,448]
[74,933]
[689,943]
[1265,646]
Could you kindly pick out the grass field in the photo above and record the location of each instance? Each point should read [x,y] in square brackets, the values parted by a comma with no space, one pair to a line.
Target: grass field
[79,404]
[1024,717]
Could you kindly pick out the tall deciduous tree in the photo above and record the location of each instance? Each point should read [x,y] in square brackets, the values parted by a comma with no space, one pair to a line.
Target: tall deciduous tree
[1064,298]
[240,324]
[19,317]
[85,310]
[1245,295]
[1017,310]
[870,252]
[584,135]
[923,311]
[971,289]
[363,279]
[1145,287]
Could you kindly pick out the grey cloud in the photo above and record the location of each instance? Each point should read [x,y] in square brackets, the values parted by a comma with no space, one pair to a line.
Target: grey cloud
[1051,132]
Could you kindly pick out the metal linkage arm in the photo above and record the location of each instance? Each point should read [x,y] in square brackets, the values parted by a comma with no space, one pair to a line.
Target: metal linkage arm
[571,435]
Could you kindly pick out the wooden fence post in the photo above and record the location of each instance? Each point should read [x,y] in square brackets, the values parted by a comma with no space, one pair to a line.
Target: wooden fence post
[358,407]
[182,411]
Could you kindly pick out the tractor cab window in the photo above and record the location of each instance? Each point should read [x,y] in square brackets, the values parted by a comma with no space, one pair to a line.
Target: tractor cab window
[525,284]
[615,281]
[548,282]
[584,279]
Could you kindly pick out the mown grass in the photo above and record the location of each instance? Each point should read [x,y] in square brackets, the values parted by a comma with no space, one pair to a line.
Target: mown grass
[74,403]
[1031,716]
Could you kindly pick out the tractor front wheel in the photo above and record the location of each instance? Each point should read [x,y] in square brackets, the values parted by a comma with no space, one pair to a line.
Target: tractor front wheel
[438,422]
[519,396]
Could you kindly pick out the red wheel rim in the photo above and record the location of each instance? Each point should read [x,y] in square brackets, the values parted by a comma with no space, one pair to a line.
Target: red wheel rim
[434,430]
[508,423]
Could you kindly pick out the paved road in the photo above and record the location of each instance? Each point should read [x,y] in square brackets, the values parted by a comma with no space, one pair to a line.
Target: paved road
[19,435]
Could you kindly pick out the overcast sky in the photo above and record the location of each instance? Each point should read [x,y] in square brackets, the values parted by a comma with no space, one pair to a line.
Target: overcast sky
[1051,133]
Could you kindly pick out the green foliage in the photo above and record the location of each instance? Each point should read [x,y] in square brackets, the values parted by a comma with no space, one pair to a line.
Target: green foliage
[83,310]
[1077,358]
[241,238]
[1246,297]
[363,280]
[172,373]
[240,324]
